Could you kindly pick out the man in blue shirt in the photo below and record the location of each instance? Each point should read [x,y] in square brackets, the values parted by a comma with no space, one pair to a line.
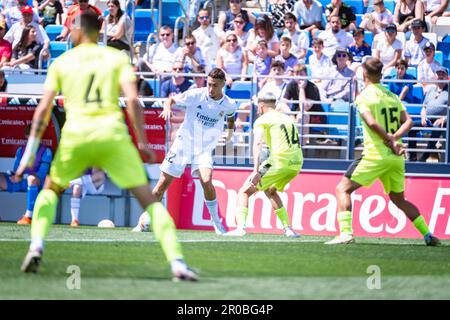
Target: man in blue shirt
[404,90]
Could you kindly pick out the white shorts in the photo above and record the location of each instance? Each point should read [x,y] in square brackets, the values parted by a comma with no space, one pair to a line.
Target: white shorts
[87,186]
[176,160]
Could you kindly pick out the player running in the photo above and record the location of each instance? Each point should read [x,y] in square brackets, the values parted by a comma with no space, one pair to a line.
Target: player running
[95,135]
[385,120]
[280,134]
[197,138]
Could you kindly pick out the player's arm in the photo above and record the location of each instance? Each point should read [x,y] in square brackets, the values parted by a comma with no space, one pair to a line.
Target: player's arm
[167,113]
[257,147]
[388,139]
[230,127]
[406,125]
[137,119]
[40,121]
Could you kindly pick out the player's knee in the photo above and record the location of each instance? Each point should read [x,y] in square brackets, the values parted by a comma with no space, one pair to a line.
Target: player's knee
[342,187]
[270,192]
[247,189]
[32,180]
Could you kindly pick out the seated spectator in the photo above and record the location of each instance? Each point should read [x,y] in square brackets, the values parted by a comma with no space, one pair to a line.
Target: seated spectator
[119,28]
[144,88]
[277,12]
[5,46]
[338,88]
[434,9]
[414,52]
[378,20]
[3,82]
[199,78]
[305,91]
[32,180]
[426,70]
[25,54]
[334,37]
[263,31]
[14,14]
[51,11]
[14,34]
[226,18]
[161,56]
[388,49]
[435,104]
[190,55]
[310,13]
[319,63]
[404,90]
[358,49]
[75,11]
[239,31]
[275,86]
[207,39]
[262,64]
[299,38]
[344,12]
[176,84]
[288,59]
[406,11]
[232,59]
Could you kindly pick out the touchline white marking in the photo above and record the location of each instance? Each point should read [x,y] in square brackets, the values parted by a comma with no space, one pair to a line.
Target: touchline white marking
[153,240]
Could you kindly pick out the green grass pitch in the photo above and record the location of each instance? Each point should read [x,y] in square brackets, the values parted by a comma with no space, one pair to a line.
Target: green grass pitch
[119,264]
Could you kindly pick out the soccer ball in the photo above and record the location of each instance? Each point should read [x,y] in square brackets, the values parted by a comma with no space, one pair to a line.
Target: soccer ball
[106,224]
[143,223]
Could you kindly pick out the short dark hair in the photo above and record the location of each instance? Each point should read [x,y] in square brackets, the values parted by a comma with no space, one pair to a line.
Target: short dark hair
[373,68]
[317,41]
[277,64]
[359,31]
[217,74]
[402,62]
[290,15]
[90,23]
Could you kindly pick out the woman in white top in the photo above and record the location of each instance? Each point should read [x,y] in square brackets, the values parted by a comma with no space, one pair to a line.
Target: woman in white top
[388,49]
[434,8]
[232,58]
[263,30]
[118,27]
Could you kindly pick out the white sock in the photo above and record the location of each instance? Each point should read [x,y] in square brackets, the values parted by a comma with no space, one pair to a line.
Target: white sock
[75,207]
[37,244]
[29,214]
[213,209]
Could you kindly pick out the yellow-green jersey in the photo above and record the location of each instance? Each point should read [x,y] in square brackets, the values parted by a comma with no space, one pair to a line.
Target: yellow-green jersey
[281,136]
[386,108]
[89,77]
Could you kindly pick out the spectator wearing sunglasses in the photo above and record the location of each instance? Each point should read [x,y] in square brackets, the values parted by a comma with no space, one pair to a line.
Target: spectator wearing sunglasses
[226,18]
[190,55]
[239,31]
[232,58]
[177,84]
[207,39]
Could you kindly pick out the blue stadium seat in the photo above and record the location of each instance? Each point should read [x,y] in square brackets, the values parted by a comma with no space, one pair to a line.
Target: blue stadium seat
[57,48]
[240,90]
[339,120]
[412,71]
[444,47]
[356,5]
[439,56]
[390,5]
[309,53]
[418,92]
[53,30]
[171,10]
[155,84]
[359,18]
[368,37]
[144,23]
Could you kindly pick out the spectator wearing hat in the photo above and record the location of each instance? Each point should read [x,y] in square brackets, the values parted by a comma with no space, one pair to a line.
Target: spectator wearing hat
[435,104]
[334,37]
[226,17]
[378,19]
[14,14]
[338,87]
[299,38]
[414,52]
[5,46]
[14,34]
[343,11]
[388,49]
[310,14]
[426,70]
[406,12]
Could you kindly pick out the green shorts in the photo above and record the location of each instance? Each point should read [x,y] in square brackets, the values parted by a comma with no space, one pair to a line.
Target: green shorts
[390,171]
[276,177]
[116,155]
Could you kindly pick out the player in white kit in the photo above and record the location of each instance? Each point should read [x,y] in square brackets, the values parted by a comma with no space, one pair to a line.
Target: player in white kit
[197,137]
